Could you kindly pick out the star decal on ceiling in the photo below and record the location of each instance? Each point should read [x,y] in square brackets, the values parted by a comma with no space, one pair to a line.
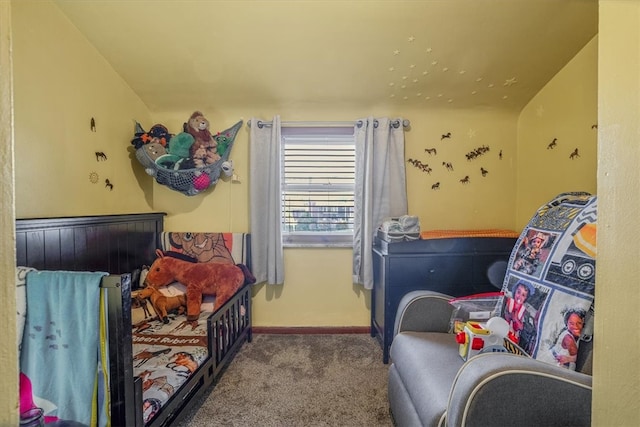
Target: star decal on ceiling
[471,133]
[429,50]
[392,68]
[410,39]
[510,82]
[396,52]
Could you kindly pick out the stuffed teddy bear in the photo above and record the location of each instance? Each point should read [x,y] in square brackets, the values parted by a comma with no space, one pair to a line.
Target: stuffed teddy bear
[163,304]
[200,278]
[204,149]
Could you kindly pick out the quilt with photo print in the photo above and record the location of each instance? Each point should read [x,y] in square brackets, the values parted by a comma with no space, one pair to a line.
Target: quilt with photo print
[550,281]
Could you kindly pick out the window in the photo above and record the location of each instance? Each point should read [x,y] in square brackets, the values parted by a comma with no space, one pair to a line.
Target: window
[318,182]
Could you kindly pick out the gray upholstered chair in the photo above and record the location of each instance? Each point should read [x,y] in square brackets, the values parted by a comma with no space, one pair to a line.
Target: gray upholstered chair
[431,385]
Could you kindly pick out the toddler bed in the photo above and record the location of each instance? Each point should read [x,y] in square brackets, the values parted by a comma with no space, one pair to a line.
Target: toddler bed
[192,357]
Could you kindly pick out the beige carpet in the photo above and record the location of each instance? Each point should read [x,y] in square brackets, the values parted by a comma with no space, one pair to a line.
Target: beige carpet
[299,380]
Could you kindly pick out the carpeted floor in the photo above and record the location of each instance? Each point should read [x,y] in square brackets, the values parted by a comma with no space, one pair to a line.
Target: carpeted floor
[299,380]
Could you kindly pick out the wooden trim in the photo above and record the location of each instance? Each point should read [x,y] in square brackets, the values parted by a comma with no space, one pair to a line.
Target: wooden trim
[319,330]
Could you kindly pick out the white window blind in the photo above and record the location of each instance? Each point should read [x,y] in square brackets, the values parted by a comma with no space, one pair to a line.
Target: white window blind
[318,181]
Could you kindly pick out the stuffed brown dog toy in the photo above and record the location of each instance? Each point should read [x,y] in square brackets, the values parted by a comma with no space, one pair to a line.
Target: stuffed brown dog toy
[163,304]
[200,278]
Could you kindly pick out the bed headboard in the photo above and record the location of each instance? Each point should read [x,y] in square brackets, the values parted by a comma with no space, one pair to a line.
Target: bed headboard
[116,244]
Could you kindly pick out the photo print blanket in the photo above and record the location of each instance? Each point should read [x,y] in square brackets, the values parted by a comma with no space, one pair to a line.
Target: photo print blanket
[550,281]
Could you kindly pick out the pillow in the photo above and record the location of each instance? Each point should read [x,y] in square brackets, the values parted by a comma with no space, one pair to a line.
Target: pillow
[550,281]
[208,247]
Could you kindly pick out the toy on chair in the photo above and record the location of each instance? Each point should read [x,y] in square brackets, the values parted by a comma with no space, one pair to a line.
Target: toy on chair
[481,338]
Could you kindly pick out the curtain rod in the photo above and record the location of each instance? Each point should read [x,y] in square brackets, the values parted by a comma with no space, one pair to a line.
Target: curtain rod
[395,123]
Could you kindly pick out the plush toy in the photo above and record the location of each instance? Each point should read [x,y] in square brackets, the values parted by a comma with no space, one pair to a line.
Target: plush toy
[204,150]
[155,150]
[222,141]
[200,278]
[157,134]
[179,150]
[163,304]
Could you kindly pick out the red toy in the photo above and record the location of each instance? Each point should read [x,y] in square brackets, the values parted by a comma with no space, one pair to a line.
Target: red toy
[200,278]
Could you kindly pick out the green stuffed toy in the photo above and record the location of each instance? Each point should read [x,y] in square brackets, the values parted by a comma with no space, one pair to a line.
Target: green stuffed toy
[179,150]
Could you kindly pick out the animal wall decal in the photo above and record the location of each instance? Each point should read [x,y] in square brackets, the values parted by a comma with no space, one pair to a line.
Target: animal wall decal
[108,184]
[574,154]
[445,135]
[448,166]
[477,152]
[465,180]
[500,155]
[100,156]
[484,172]
[431,151]
[93,177]
[424,167]
[436,186]
[552,144]
[93,124]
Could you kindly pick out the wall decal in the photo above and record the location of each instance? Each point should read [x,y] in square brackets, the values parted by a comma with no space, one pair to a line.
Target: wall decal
[431,151]
[477,152]
[500,155]
[100,156]
[436,186]
[483,171]
[552,144]
[448,165]
[465,180]
[93,124]
[93,178]
[422,166]
[108,184]
[446,135]
[574,154]
[594,126]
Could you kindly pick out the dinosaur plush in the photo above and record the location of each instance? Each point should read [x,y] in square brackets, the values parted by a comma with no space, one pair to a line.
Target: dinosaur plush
[200,278]
[163,304]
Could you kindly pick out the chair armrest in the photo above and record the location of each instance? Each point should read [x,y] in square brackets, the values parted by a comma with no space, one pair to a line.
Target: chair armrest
[506,389]
[423,311]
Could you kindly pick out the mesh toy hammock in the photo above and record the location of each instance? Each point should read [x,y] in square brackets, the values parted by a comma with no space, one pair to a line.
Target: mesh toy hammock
[195,180]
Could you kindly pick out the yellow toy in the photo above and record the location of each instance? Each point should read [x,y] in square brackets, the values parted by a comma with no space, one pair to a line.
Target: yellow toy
[478,338]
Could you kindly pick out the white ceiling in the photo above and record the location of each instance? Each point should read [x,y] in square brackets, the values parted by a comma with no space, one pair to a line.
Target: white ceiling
[388,54]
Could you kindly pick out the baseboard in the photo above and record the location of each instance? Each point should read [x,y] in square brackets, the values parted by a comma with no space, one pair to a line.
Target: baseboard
[320,330]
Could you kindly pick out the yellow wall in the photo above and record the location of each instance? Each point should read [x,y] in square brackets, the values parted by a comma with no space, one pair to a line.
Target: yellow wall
[61,82]
[84,86]
[564,110]
[616,391]
[55,154]
[8,353]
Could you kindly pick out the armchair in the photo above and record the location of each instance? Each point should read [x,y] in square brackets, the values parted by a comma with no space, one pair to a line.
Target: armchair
[431,385]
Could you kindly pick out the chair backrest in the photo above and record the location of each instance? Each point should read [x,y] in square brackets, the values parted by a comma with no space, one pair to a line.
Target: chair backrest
[550,281]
